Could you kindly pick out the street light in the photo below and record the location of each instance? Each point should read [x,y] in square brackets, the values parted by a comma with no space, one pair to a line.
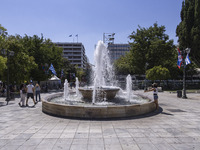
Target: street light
[186,51]
[8,53]
[108,38]
[145,82]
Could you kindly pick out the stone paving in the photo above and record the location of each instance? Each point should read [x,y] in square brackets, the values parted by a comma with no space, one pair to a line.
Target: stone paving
[175,127]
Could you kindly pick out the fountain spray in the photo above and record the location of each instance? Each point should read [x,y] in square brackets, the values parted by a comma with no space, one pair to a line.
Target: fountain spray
[66,89]
[129,87]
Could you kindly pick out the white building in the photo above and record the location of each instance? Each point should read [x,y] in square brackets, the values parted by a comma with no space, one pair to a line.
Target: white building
[117,50]
[74,52]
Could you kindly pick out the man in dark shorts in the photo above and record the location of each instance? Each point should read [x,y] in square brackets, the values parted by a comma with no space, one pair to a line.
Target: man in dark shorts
[30,92]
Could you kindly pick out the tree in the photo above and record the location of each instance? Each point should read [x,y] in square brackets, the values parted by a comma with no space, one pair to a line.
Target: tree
[88,74]
[3,61]
[21,63]
[3,66]
[123,65]
[67,69]
[152,46]
[3,35]
[157,73]
[189,28]
[45,53]
[79,73]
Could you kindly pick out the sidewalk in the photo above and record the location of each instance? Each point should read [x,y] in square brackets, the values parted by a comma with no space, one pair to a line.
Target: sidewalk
[175,127]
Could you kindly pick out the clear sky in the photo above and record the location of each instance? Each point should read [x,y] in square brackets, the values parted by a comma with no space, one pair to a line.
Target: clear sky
[57,19]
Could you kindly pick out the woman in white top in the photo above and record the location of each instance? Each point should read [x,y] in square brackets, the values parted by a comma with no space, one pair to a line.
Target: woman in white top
[155,94]
[22,95]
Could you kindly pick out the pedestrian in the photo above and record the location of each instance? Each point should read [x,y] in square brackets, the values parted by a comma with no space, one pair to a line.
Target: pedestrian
[155,94]
[37,92]
[30,93]
[22,95]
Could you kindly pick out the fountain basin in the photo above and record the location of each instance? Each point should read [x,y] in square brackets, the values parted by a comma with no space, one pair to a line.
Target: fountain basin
[95,111]
[103,92]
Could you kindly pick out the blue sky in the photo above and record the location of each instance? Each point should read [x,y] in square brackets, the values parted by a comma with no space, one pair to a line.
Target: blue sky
[57,19]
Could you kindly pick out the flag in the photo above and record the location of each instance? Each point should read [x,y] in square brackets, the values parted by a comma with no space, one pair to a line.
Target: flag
[52,69]
[70,35]
[187,60]
[180,58]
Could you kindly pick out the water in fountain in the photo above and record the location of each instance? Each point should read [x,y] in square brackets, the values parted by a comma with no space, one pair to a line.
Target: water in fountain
[66,89]
[103,71]
[77,87]
[129,87]
[103,91]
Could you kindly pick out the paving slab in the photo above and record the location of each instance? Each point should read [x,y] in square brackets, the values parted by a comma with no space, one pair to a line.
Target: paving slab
[175,126]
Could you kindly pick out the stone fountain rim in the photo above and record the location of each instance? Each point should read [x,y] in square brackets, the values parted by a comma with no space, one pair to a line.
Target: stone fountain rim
[48,98]
[106,88]
[96,111]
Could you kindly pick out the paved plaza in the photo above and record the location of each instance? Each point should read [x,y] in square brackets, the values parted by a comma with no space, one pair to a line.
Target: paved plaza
[175,127]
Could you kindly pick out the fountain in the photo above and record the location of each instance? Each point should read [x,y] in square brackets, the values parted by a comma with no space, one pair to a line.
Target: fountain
[103,88]
[129,87]
[66,89]
[102,100]
[77,87]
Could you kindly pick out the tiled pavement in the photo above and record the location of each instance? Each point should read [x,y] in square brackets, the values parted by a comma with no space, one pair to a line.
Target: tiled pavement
[175,127]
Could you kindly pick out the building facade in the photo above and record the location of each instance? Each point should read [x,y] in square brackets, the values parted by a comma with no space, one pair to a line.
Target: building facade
[117,50]
[74,52]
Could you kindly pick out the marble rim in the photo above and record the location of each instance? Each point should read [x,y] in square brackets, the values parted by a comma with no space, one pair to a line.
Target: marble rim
[95,112]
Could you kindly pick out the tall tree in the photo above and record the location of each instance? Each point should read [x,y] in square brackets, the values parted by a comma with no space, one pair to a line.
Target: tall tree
[189,28]
[3,61]
[45,53]
[151,47]
[20,64]
[123,65]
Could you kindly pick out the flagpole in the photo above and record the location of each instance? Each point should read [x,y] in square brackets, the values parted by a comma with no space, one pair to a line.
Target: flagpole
[184,89]
[187,50]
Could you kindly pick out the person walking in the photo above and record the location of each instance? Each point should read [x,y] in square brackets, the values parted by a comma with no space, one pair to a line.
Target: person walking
[37,92]
[155,94]
[30,93]
[22,95]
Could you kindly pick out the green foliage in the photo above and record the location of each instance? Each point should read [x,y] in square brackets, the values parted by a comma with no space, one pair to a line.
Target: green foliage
[79,73]
[157,73]
[189,28]
[67,68]
[3,35]
[151,47]
[123,64]
[31,55]
[2,65]
[45,53]
[20,64]
[88,74]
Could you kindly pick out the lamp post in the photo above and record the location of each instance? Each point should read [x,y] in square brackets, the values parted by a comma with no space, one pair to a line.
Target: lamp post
[186,51]
[145,82]
[7,53]
[108,38]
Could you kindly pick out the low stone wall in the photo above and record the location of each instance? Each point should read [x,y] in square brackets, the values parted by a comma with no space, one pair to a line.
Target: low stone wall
[96,112]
